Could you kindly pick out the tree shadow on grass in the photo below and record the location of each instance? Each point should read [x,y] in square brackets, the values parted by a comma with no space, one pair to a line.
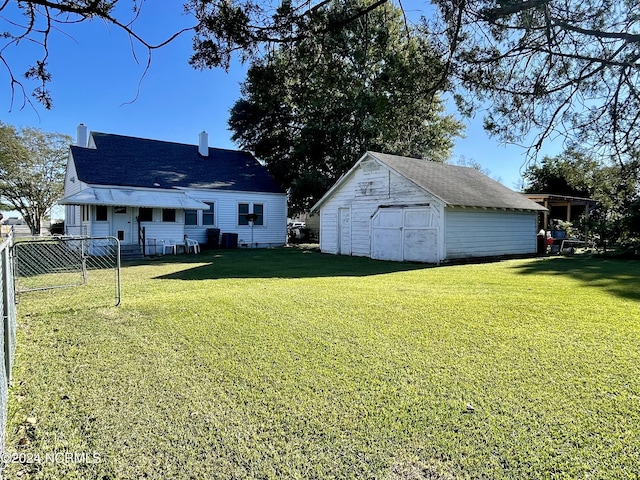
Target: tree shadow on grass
[287,262]
[618,277]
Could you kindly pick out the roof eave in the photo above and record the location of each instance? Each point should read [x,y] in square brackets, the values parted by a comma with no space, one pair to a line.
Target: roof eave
[486,207]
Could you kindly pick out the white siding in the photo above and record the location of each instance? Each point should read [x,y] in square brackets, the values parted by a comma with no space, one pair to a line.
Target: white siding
[451,233]
[473,232]
[71,183]
[369,186]
[157,229]
[272,233]
[72,216]
[72,186]
[329,229]
[100,230]
[167,231]
[85,230]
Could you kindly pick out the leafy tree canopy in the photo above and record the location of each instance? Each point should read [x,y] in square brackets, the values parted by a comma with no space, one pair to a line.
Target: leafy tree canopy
[32,169]
[310,109]
[221,28]
[569,174]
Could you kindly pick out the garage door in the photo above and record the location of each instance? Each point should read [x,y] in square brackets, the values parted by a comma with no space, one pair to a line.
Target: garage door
[404,234]
[387,235]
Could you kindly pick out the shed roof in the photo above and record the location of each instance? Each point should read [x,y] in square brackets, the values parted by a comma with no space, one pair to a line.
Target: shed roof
[453,184]
[138,162]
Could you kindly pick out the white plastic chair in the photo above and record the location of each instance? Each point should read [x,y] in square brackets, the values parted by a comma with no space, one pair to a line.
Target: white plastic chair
[191,244]
[171,245]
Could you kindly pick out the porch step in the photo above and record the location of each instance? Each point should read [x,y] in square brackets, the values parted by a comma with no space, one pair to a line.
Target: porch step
[130,252]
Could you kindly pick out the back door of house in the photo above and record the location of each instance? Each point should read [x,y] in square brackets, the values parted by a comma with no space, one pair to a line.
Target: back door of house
[121,225]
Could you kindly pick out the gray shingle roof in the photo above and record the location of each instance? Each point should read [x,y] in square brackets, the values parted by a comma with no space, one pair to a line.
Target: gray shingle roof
[456,185]
[139,162]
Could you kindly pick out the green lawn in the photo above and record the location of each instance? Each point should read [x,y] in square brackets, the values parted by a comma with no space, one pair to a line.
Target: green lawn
[286,363]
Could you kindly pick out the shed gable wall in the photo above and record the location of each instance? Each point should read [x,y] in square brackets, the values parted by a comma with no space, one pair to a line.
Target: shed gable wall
[370,186]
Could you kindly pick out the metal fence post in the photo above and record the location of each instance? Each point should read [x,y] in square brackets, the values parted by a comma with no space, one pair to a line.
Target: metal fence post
[7,337]
[8,306]
[6,280]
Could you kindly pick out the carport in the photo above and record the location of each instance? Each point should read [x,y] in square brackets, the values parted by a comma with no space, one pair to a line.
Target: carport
[561,207]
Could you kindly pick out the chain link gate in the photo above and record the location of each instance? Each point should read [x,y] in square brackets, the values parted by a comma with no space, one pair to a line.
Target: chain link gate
[61,262]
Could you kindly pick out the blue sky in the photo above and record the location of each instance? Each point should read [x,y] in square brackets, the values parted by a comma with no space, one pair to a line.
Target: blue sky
[95,79]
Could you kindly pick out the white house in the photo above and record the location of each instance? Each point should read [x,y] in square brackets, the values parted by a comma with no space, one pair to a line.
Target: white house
[123,186]
[405,209]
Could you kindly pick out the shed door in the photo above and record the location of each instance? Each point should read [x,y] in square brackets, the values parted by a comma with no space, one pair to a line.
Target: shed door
[404,234]
[344,231]
[420,239]
[386,241]
[420,245]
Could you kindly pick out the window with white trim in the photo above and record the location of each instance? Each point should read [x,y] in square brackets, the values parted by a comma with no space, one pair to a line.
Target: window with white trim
[101,213]
[250,210]
[191,217]
[208,216]
[258,211]
[145,214]
[168,214]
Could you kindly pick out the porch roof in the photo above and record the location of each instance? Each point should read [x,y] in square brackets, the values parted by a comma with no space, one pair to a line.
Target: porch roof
[128,197]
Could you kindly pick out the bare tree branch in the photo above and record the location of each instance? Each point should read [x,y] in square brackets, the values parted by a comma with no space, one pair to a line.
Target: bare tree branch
[63,13]
[547,66]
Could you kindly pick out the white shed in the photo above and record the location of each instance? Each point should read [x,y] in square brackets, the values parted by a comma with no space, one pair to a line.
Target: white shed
[405,209]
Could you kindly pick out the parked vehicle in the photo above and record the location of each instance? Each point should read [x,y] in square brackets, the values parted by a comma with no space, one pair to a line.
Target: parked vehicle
[57,228]
[13,221]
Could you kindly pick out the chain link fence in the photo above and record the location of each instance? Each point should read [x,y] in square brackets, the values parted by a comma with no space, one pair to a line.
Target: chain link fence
[8,326]
[43,263]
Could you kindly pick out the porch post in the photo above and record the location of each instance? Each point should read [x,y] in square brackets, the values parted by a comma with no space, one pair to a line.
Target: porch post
[141,236]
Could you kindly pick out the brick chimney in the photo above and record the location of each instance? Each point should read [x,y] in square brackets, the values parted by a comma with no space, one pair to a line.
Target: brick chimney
[203,144]
[81,137]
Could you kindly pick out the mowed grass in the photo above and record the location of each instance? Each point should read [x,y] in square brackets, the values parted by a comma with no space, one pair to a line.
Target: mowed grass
[290,364]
